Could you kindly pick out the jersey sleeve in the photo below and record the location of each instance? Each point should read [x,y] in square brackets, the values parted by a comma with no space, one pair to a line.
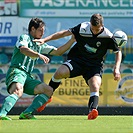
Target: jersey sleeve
[116,49]
[75,30]
[22,41]
[47,49]
[112,42]
[114,46]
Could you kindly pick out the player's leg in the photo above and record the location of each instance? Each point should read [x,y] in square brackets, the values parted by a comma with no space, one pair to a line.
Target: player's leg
[16,91]
[14,76]
[69,69]
[62,72]
[42,91]
[94,84]
[41,108]
[92,76]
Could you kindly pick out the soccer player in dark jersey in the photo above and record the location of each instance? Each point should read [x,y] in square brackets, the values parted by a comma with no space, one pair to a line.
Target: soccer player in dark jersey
[86,57]
[19,79]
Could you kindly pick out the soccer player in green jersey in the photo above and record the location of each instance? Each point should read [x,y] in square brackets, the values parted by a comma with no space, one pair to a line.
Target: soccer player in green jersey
[19,79]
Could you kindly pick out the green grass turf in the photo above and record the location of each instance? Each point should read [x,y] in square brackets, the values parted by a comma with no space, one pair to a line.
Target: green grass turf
[68,124]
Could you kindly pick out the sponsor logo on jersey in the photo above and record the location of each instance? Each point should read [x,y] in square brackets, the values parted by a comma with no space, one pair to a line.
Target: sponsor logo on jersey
[90,49]
[98,44]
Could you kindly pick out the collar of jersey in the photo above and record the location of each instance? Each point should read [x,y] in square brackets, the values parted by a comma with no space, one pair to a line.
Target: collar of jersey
[98,33]
[31,37]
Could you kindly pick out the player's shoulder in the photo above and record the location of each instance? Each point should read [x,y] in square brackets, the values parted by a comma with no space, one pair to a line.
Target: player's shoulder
[106,33]
[85,28]
[24,37]
[85,25]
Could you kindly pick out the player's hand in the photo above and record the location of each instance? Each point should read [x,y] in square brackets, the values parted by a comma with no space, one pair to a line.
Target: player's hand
[40,41]
[117,75]
[44,58]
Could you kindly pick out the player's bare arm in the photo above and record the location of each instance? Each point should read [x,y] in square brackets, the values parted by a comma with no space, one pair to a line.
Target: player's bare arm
[54,36]
[29,52]
[62,49]
[117,75]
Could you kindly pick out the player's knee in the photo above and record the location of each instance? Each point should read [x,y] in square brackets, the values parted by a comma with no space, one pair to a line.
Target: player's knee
[95,88]
[60,75]
[43,89]
[16,89]
[48,91]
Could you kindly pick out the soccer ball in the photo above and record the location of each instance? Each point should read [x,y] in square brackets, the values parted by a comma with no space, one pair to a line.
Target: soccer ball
[120,37]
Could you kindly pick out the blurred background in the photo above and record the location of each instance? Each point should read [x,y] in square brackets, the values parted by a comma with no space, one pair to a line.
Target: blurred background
[63,14]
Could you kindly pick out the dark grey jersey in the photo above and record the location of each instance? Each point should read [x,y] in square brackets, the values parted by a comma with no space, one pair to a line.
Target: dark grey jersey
[91,48]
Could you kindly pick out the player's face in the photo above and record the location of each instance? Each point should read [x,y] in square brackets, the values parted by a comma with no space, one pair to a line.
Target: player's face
[96,29]
[38,33]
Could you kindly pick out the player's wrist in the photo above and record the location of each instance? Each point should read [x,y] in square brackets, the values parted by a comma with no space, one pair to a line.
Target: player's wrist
[116,68]
[39,55]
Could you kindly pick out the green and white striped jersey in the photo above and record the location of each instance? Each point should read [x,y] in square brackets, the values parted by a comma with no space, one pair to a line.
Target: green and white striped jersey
[27,63]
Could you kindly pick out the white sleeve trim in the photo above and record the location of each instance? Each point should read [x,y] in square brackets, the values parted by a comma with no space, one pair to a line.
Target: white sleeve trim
[22,43]
[47,49]
[116,51]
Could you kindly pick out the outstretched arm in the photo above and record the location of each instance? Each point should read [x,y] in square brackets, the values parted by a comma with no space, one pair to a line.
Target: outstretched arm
[117,75]
[62,49]
[54,36]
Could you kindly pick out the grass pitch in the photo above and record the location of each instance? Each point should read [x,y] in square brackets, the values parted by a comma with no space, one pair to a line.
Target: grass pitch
[68,124]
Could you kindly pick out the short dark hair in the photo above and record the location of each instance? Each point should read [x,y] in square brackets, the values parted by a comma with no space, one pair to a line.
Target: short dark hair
[35,22]
[96,19]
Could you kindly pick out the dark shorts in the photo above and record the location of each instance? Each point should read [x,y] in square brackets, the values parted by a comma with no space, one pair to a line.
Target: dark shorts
[77,69]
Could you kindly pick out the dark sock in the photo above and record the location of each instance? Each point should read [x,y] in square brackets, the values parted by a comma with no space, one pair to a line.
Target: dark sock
[93,102]
[54,85]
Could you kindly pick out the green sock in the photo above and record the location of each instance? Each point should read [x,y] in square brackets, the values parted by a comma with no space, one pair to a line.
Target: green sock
[8,104]
[38,101]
